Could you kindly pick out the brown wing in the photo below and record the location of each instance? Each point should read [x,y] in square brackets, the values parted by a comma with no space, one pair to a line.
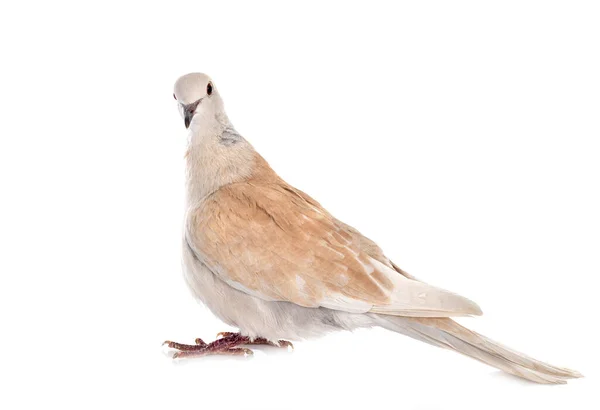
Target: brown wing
[365,244]
[271,242]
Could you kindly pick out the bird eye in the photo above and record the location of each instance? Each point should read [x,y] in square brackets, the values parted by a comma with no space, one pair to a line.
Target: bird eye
[209,89]
[174,96]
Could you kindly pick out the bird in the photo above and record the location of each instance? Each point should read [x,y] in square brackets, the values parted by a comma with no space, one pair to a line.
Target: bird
[269,260]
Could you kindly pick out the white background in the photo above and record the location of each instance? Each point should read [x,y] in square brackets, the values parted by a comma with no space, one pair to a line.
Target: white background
[461,136]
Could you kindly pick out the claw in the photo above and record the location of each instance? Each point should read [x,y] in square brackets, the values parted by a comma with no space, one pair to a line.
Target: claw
[286,344]
[224,334]
[200,342]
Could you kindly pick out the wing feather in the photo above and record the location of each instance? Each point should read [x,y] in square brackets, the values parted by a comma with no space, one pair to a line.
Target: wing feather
[276,243]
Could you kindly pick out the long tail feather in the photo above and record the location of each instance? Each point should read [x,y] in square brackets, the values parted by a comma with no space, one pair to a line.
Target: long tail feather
[447,333]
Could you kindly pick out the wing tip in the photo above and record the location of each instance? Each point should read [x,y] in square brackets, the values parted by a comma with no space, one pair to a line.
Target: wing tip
[453,306]
[473,308]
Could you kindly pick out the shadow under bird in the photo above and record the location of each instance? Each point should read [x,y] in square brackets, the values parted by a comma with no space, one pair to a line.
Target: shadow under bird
[268,259]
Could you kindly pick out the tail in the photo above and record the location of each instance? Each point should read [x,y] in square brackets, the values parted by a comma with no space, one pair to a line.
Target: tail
[447,333]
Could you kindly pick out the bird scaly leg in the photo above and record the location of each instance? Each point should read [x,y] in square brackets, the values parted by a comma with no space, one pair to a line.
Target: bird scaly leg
[226,345]
[223,346]
[245,340]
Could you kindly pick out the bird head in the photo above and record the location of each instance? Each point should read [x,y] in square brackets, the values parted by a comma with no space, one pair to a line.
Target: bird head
[197,97]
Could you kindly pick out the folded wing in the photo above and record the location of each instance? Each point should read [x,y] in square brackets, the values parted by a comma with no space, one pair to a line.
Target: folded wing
[275,243]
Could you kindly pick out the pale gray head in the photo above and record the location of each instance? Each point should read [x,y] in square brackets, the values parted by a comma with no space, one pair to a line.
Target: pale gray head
[197,97]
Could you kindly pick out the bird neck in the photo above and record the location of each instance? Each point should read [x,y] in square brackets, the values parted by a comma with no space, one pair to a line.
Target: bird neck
[216,156]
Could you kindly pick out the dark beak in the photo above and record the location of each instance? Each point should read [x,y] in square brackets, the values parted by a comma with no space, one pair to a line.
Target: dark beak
[189,111]
[188,118]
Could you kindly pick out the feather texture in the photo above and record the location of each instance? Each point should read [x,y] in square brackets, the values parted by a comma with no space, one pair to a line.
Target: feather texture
[448,334]
[269,259]
[268,240]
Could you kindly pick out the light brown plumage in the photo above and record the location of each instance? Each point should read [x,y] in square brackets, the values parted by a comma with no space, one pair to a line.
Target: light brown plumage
[269,239]
[267,258]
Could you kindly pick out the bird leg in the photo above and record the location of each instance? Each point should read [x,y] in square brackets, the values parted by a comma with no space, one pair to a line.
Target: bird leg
[245,340]
[223,346]
[226,345]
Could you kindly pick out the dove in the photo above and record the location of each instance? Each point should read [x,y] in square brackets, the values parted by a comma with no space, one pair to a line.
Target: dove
[269,260]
